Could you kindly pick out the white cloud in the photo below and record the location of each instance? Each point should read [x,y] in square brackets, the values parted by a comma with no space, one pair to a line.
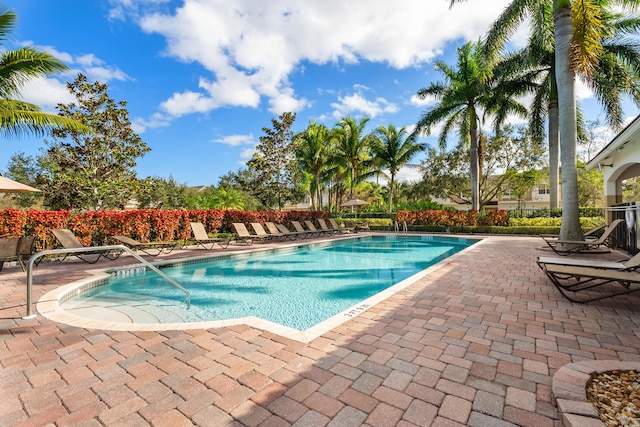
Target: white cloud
[582,90]
[409,174]
[157,120]
[236,140]
[357,103]
[246,154]
[47,93]
[251,49]
[422,102]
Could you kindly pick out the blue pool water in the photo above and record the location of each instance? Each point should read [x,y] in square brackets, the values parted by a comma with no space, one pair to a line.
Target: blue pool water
[297,288]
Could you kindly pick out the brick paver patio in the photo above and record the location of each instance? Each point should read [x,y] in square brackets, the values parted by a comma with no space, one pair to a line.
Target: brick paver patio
[475,343]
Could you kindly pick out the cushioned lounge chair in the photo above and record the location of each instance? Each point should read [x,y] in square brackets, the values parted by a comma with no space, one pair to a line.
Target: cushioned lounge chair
[201,237]
[274,231]
[339,228]
[150,248]
[68,240]
[585,283]
[293,234]
[565,247]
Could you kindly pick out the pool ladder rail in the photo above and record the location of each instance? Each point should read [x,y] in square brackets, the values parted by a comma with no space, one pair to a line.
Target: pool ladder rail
[397,227]
[38,255]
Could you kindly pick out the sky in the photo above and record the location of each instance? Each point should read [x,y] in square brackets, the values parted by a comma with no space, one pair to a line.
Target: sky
[202,78]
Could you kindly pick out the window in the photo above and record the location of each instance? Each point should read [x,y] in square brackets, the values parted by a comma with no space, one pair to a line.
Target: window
[507,194]
[543,189]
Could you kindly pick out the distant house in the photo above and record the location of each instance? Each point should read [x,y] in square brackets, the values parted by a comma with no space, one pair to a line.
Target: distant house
[537,197]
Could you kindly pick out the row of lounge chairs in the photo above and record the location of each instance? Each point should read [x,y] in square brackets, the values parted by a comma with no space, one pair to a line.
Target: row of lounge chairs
[14,249]
[281,232]
[583,280]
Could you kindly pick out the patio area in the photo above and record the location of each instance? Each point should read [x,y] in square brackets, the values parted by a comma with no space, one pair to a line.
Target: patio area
[475,343]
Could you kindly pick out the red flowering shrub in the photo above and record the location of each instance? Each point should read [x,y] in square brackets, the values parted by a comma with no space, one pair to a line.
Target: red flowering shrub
[13,221]
[496,217]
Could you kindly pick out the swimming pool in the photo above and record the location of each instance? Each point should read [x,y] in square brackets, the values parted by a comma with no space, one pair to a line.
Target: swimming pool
[297,286]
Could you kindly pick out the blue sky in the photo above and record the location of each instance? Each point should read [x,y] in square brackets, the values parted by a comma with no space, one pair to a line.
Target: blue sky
[203,77]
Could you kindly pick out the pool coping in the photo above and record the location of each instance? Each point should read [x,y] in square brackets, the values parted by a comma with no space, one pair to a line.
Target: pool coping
[49,305]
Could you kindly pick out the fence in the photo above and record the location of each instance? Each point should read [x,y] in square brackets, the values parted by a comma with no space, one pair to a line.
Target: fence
[626,236]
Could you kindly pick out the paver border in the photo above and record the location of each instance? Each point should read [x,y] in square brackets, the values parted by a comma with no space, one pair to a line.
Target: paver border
[569,387]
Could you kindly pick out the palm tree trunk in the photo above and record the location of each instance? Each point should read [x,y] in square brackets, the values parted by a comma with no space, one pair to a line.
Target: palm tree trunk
[554,141]
[473,157]
[391,193]
[565,76]
[554,154]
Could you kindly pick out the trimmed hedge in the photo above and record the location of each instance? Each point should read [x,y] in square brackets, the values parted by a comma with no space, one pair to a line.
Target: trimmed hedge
[93,228]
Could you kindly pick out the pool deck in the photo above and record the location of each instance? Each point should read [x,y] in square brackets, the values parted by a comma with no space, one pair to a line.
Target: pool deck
[476,342]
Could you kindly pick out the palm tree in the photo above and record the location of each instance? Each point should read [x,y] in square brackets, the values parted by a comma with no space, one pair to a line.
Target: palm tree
[352,150]
[18,67]
[467,94]
[394,148]
[578,50]
[312,151]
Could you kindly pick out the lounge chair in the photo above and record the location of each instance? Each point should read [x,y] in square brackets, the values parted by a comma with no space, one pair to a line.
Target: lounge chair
[8,250]
[243,235]
[363,226]
[313,228]
[68,240]
[274,231]
[339,228]
[150,248]
[590,234]
[324,227]
[632,263]
[261,232]
[293,234]
[300,229]
[201,237]
[573,279]
[565,247]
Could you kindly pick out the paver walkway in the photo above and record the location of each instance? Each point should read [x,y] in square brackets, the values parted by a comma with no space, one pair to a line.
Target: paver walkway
[475,343]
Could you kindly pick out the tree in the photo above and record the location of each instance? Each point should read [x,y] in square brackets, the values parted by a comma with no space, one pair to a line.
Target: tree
[17,68]
[312,151]
[580,33]
[160,193]
[352,150]
[243,181]
[468,93]
[274,163]
[394,148]
[92,171]
[511,158]
[24,169]
[591,185]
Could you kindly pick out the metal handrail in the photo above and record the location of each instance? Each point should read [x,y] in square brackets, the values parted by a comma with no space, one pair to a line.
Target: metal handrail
[38,255]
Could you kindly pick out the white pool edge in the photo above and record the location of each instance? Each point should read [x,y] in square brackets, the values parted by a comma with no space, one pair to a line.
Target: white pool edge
[49,306]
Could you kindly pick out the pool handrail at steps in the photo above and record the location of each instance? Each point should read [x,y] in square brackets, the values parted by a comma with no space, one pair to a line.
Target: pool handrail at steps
[41,254]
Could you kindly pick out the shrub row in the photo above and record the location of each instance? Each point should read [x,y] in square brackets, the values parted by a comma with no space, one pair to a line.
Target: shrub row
[94,227]
[447,218]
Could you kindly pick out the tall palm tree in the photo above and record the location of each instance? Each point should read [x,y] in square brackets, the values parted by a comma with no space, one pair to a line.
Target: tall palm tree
[470,91]
[352,149]
[578,50]
[18,67]
[394,148]
[312,151]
